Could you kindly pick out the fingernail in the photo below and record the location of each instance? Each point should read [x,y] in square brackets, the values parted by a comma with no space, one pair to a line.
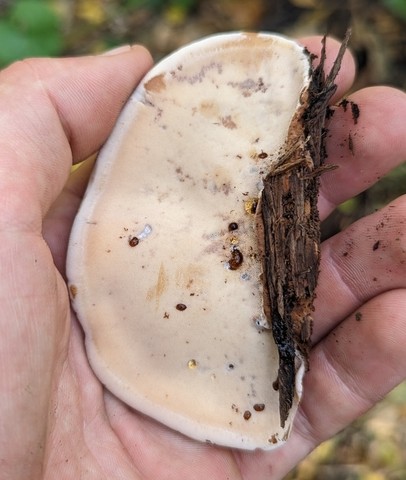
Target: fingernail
[117,50]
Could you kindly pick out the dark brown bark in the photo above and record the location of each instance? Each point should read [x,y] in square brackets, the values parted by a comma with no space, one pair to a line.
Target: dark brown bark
[290,226]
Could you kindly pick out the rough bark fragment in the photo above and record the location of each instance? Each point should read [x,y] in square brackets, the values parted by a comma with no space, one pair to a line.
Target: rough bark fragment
[289,224]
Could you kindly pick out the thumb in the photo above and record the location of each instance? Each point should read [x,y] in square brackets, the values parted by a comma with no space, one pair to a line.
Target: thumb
[53,112]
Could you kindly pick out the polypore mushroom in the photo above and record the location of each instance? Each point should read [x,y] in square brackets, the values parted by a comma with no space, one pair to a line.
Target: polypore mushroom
[166,259]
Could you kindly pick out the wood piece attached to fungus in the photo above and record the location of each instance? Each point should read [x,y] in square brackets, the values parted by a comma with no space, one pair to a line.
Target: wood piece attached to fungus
[291,229]
[193,259]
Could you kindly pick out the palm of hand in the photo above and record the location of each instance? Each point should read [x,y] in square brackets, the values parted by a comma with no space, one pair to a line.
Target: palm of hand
[58,420]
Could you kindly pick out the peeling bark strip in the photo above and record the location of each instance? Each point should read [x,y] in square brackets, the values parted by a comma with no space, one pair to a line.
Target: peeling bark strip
[289,218]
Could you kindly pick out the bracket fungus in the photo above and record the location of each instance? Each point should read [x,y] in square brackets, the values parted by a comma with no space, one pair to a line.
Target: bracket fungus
[193,259]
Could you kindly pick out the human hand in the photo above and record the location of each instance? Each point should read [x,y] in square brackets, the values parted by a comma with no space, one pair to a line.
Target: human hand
[56,420]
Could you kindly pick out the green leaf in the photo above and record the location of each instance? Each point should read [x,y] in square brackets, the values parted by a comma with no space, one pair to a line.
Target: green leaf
[184,4]
[15,45]
[49,45]
[349,206]
[150,4]
[398,7]
[33,17]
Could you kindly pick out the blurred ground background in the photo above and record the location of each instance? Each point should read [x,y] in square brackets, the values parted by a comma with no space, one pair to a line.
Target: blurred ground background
[374,447]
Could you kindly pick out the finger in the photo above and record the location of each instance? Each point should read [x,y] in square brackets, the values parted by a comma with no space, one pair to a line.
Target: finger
[346,75]
[58,221]
[365,149]
[350,371]
[366,259]
[354,367]
[53,111]
[160,452]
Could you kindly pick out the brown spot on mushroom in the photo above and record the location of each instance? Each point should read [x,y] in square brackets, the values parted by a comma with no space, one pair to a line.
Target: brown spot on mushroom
[259,407]
[262,155]
[273,439]
[133,241]
[247,415]
[181,307]
[228,122]
[156,84]
[236,259]
[232,226]
[73,290]
[358,316]
[376,245]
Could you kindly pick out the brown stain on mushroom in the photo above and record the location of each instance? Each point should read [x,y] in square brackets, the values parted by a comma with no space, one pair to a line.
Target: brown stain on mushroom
[156,84]
[190,277]
[181,307]
[232,226]
[73,290]
[159,288]
[209,109]
[247,415]
[228,122]
[219,183]
[236,259]
[133,241]
[273,439]
[249,40]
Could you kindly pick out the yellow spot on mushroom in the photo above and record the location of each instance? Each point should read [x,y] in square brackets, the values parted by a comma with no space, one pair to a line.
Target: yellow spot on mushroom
[250,205]
[192,364]
[234,241]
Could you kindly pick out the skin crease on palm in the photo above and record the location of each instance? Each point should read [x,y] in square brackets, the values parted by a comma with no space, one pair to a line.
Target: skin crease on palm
[57,421]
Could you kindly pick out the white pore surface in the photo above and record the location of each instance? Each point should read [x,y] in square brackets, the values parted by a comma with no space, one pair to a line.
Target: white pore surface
[185,160]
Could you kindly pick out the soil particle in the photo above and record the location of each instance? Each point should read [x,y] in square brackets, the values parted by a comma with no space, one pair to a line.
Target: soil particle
[351,143]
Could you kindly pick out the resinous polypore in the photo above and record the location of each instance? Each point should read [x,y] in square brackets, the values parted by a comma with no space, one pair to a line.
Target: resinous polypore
[163,264]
